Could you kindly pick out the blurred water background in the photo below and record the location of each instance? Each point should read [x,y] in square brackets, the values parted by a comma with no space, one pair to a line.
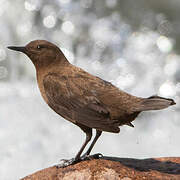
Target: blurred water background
[133,44]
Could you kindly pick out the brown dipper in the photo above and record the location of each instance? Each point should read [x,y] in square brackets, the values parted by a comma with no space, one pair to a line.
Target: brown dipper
[83,99]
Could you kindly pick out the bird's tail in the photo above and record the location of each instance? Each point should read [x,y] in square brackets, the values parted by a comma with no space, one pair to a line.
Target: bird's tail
[155,103]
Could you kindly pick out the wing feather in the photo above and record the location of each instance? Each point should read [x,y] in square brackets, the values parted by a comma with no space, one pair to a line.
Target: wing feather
[71,98]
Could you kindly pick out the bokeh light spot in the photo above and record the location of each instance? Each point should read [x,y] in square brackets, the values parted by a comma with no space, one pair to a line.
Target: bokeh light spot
[164,44]
[68,27]
[49,21]
[29,6]
[167,89]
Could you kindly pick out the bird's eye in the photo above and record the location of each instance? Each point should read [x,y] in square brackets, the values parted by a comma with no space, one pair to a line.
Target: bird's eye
[38,47]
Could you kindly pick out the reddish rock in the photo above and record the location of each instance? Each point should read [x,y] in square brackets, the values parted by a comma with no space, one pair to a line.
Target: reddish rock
[110,168]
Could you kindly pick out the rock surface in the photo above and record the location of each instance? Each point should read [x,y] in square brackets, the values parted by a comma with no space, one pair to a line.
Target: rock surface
[110,168]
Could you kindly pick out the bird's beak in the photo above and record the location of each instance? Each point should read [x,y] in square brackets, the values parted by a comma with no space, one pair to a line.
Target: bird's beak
[17,48]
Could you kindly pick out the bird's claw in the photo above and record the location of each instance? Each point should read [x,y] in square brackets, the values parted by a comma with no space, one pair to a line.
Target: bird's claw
[90,157]
[66,162]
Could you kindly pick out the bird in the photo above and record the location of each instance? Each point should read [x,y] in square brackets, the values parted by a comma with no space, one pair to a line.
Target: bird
[82,98]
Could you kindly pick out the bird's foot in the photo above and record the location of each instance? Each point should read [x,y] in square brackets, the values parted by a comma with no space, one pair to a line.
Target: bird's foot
[67,162]
[90,157]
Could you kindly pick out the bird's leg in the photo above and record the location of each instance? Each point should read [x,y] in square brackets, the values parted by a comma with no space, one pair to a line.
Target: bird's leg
[95,156]
[65,162]
[98,134]
[88,138]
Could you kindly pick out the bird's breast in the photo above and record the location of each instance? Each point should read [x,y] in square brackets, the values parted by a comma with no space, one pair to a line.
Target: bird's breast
[60,110]
[40,78]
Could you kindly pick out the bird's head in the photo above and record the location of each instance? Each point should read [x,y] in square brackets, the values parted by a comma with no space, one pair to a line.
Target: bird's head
[41,52]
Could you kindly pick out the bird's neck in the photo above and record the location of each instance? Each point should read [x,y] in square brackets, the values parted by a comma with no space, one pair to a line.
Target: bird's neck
[45,64]
[42,71]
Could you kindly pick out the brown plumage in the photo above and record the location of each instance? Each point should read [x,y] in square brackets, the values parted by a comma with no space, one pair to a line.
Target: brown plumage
[84,99]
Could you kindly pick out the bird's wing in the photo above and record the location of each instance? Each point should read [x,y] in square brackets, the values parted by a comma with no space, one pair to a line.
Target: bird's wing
[71,98]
